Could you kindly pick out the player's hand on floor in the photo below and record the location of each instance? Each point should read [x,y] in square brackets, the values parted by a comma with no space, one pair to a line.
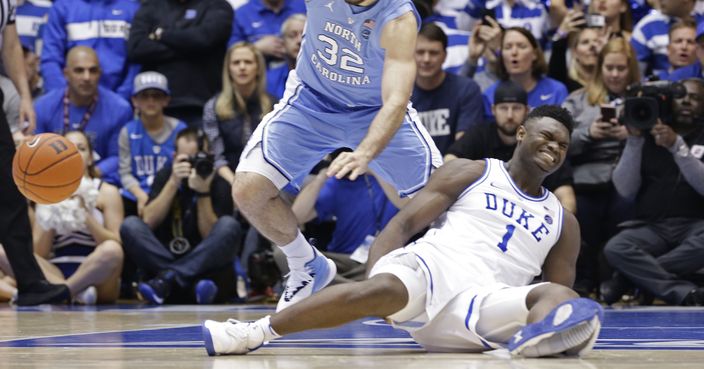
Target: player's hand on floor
[351,164]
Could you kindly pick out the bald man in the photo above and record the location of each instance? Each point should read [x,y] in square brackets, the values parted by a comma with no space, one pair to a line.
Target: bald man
[85,105]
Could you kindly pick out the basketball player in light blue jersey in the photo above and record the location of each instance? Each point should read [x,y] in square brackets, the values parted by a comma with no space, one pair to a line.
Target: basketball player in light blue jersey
[465,286]
[351,88]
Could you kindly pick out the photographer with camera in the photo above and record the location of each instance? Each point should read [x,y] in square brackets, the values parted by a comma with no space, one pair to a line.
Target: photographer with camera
[661,168]
[186,236]
[596,145]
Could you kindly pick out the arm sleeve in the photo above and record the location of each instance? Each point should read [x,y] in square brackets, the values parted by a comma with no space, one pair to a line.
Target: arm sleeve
[54,49]
[211,129]
[140,49]
[471,108]
[465,147]
[11,106]
[557,68]
[126,177]
[626,176]
[237,33]
[211,32]
[580,134]
[125,88]
[692,168]
[325,204]
[109,165]
[159,182]
[468,70]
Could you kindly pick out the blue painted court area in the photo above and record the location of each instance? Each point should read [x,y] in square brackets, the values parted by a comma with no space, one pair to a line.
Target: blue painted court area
[627,329]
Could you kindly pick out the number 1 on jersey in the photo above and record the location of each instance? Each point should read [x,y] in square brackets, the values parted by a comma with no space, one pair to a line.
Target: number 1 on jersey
[503,245]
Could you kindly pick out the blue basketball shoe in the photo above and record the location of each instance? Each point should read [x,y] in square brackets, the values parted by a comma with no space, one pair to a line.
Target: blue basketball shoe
[571,329]
[312,277]
[206,290]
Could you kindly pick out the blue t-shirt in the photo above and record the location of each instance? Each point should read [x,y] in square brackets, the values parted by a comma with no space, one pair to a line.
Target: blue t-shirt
[148,156]
[359,207]
[276,80]
[547,92]
[253,20]
[103,128]
[452,107]
[690,71]
[341,56]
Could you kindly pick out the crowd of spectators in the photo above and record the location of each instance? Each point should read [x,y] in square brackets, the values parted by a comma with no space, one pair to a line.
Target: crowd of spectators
[166,94]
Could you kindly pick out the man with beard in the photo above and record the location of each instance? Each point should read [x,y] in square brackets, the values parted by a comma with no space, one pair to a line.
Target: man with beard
[662,170]
[498,140]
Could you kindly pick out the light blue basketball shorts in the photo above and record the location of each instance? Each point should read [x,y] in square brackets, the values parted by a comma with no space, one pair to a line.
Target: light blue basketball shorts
[303,128]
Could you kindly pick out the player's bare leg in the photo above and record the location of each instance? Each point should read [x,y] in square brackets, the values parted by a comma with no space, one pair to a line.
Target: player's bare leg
[380,296]
[258,199]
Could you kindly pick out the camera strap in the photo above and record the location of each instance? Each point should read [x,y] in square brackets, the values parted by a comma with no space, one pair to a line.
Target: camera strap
[179,245]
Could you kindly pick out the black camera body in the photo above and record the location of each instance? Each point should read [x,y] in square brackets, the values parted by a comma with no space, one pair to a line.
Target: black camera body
[648,101]
[203,163]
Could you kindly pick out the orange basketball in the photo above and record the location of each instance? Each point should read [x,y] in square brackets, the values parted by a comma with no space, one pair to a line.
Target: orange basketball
[47,169]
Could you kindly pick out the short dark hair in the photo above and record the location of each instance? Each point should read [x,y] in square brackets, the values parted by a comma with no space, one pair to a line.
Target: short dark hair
[433,32]
[193,134]
[556,112]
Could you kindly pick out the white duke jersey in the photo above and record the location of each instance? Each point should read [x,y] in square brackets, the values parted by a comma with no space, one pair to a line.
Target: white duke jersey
[341,58]
[493,234]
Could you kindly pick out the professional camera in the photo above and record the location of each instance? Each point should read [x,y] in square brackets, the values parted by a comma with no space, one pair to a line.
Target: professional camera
[203,163]
[648,101]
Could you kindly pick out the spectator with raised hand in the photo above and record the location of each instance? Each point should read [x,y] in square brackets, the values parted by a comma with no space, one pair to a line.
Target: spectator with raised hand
[77,241]
[661,169]
[527,14]
[260,21]
[185,41]
[146,143]
[102,25]
[583,43]
[597,142]
[617,16]
[650,35]
[447,104]
[292,34]
[484,48]
[522,61]
[682,49]
[85,105]
[185,237]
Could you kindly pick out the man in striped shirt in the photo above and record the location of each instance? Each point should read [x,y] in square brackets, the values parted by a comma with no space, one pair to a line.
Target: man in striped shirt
[15,231]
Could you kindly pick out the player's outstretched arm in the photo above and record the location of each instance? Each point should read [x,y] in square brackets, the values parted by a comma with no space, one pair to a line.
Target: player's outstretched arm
[559,266]
[398,38]
[444,187]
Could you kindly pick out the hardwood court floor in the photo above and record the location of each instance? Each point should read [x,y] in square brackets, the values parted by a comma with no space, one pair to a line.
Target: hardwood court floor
[133,336]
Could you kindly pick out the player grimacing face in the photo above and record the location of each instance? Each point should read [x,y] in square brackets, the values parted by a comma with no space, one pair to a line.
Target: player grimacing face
[545,141]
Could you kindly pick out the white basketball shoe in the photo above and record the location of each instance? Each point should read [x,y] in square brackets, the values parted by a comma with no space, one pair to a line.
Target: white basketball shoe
[303,282]
[231,337]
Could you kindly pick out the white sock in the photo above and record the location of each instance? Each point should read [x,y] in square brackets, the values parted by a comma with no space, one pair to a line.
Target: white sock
[298,252]
[265,324]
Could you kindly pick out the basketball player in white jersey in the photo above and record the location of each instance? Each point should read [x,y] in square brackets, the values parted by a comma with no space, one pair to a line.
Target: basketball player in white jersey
[465,286]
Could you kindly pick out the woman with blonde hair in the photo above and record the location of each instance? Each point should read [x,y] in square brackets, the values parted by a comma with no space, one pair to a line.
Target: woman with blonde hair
[596,146]
[230,117]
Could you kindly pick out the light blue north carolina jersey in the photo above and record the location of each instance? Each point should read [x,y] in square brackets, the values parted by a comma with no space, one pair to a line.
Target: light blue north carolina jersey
[341,58]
